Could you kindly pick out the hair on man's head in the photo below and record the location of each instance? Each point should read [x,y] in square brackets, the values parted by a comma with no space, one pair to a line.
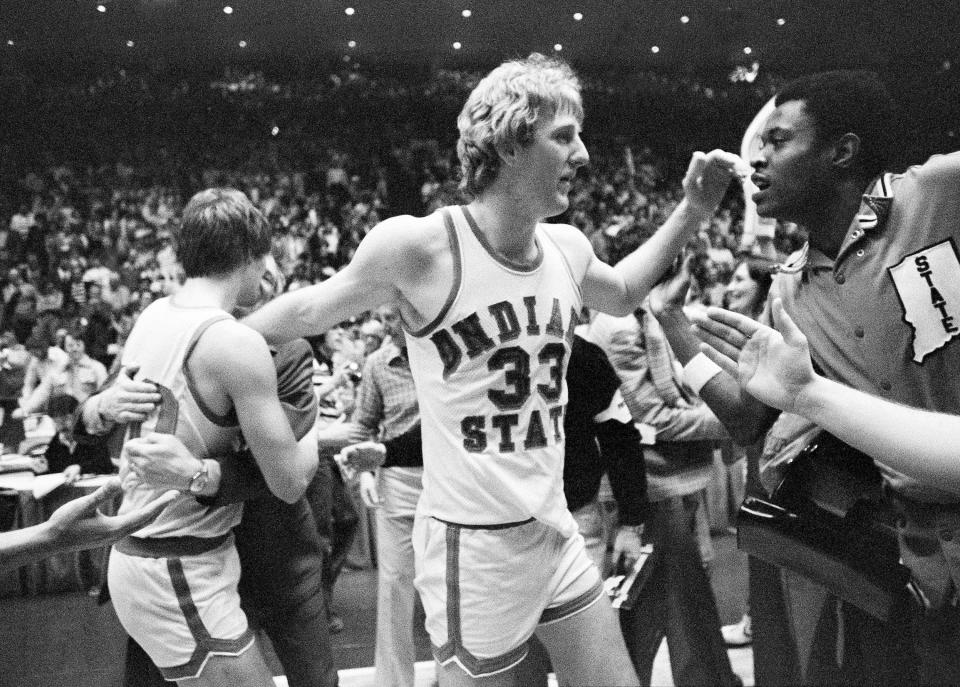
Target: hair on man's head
[502,112]
[847,101]
[62,404]
[221,230]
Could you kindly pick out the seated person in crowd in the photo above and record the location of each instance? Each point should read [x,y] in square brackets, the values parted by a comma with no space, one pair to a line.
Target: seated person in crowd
[44,357]
[14,361]
[79,376]
[64,452]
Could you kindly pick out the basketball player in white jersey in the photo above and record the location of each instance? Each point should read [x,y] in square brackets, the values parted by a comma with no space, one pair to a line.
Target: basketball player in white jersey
[489,296]
[174,582]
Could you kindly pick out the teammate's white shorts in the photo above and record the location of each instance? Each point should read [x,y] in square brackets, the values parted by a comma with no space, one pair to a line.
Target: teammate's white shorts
[181,609]
[485,590]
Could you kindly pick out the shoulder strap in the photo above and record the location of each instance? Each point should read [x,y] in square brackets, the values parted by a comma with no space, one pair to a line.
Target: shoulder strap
[456,254]
[230,418]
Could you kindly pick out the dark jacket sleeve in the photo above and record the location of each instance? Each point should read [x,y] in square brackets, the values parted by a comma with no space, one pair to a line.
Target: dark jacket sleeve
[593,447]
[406,450]
[621,456]
[95,460]
[623,459]
[240,477]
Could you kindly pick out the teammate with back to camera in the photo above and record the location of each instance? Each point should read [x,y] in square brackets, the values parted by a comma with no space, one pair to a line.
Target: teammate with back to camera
[281,581]
[489,295]
[876,294]
[174,583]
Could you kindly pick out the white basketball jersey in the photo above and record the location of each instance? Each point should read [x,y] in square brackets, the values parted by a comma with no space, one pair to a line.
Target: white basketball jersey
[490,374]
[160,344]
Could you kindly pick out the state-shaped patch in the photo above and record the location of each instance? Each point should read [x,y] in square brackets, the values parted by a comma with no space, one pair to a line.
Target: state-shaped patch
[928,284]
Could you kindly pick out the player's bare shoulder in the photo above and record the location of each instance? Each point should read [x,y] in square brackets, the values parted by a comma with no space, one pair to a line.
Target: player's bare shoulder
[414,254]
[230,345]
[409,249]
[575,246]
[403,243]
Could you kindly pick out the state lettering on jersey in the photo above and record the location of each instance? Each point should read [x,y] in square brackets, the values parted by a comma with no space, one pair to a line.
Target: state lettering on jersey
[504,434]
[528,347]
[928,284]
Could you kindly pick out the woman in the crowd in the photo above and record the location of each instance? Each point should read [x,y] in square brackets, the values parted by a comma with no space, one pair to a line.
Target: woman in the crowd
[746,292]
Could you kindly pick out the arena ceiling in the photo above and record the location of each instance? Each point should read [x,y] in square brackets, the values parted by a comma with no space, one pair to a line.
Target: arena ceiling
[789,35]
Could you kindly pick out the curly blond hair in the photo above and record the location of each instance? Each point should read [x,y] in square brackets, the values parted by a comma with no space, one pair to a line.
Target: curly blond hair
[502,112]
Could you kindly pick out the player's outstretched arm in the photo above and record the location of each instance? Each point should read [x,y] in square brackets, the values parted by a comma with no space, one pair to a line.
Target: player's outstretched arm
[774,365]
[619,290]
[373,277]
[77,525]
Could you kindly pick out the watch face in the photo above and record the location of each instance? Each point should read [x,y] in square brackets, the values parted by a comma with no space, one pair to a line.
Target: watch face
[198,483]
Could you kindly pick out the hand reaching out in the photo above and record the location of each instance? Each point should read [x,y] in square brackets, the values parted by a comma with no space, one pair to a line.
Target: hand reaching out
[772,365]
[79,524]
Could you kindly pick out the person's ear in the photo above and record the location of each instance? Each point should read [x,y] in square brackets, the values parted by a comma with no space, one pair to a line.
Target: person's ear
[846,150]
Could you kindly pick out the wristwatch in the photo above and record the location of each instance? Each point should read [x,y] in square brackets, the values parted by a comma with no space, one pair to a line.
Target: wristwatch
[199,480]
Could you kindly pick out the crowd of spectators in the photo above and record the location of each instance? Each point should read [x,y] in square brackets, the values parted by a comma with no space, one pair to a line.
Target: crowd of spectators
[88,216]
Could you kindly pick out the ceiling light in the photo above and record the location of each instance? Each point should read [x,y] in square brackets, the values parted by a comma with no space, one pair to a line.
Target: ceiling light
[457,45]
[351,44]
[577,16]
[9,42]
[557,47]
[275,130]
[781,21]
[101,8]
[655,49]
[684,19]
[130,44]
[466,14]
[242,44]
[349,11]
[228,10]
[747,50]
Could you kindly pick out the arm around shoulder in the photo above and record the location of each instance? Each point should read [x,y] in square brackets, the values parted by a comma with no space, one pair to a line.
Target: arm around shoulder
[383,259]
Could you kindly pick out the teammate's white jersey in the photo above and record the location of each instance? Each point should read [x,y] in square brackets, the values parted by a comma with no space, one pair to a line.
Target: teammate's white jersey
[490,374]
[160,344]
